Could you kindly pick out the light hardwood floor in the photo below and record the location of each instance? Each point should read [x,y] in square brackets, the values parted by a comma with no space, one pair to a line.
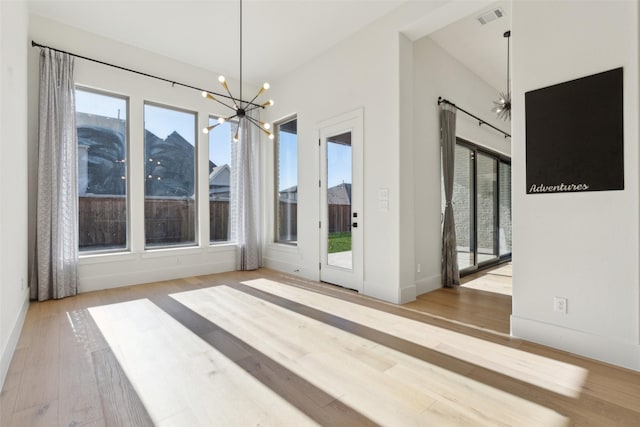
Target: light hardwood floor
[265,348]
[482,301]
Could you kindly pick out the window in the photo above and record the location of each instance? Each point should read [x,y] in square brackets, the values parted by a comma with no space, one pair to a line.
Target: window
[101,121]
[286,181]
[220,169]
[170,176]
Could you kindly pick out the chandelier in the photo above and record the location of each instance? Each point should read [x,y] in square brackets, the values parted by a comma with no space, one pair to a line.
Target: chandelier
[502,107]
[240,108]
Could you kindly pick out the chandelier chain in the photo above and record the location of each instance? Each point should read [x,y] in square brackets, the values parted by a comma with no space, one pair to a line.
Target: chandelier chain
[241,108]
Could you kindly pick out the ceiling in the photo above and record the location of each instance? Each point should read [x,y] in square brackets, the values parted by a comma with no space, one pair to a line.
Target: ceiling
[481,48]
[278,35]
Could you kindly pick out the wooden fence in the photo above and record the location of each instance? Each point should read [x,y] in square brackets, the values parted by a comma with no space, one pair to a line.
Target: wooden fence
[103,221]
[288,221]
[339,218]
[169,221]
[219,226]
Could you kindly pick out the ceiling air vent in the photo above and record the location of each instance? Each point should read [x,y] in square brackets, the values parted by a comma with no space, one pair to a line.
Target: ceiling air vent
[491,15]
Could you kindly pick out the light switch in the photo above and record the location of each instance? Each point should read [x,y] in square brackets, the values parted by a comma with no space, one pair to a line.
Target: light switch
[383,194]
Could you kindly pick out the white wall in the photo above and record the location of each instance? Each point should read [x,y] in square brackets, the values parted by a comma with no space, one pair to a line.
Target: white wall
[348,77]
[362,71]
[374,69]
[436,73]
[581,246]
[137,266]
[13,178]
[406,255]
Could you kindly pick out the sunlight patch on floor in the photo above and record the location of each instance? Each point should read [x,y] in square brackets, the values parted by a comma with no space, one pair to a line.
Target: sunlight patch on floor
[182,380]
[386,385]
[489,283]
[550,374]
[497,280]
[504,270]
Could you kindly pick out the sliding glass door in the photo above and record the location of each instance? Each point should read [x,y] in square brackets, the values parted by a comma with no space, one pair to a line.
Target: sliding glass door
[463,206]
[481,206]
[504,213]
[486,202]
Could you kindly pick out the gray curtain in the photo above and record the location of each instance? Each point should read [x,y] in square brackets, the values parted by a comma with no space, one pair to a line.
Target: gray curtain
[450,273]
[55,269]
[245,197]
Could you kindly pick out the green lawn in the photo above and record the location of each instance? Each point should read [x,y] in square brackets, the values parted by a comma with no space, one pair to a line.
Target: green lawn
[339,242]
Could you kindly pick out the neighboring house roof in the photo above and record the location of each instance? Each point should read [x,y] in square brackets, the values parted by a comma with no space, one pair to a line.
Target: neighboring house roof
[220,176]
[219,182]
[289,195]
[293,189]
[171,162]
[339,195]
[103,161]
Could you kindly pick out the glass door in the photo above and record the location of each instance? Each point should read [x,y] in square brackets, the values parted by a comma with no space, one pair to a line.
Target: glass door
[341,215]
[504,197]
[486,204]
[338,193]
[481,206]
[463,206]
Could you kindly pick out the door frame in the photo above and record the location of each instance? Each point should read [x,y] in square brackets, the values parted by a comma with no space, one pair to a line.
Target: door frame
[352,121]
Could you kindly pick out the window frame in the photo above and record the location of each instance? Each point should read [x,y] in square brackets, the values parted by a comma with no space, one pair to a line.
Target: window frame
[196,135]
[232,237]
[128,204]
[276,163]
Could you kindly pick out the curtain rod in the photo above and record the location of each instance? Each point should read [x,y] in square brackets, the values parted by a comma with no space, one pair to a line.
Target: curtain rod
[480,121]
[173,83]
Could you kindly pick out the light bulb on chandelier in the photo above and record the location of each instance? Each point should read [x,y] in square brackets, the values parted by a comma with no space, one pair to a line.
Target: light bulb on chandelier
[240,107]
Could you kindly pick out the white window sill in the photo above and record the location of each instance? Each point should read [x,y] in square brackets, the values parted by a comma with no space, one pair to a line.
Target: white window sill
[175,251]
[106,257]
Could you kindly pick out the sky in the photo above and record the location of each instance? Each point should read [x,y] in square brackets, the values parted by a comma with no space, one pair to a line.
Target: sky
[163,121]
[220,140]
[338,164]
[287,161]
[339,157]
[101,105]
[338,161]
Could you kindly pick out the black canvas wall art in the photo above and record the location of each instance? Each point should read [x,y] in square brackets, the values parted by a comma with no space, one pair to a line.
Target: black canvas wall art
[574,135]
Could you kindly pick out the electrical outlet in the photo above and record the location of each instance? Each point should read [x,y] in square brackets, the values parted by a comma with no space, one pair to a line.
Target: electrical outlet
[418,268]
[22,283]
[560,305]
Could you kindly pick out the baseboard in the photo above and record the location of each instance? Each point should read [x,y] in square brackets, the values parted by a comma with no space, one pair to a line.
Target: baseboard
[605,349]
[428,284]
[12,342]
[128,278]
[407,294]
[291,268]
